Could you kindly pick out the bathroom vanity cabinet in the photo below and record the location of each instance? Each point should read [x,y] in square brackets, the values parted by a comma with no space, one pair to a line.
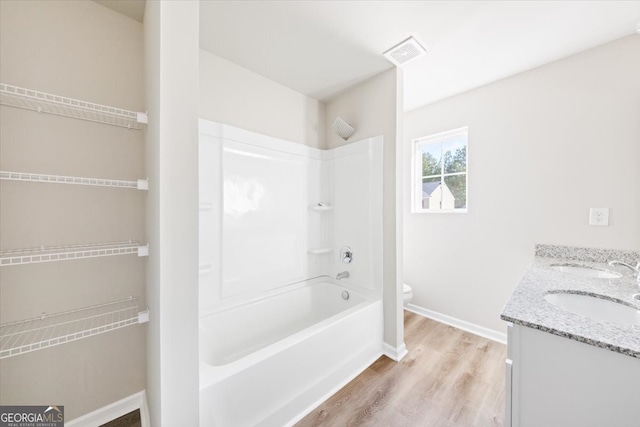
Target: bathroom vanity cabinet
[573,365]
[554,381]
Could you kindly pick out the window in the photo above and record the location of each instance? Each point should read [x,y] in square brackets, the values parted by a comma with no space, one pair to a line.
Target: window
[439,181]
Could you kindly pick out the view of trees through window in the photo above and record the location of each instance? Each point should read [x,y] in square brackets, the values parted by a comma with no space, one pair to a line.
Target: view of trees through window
[444,172]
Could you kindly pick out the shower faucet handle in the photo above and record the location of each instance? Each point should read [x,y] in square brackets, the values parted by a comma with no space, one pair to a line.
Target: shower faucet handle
[346,254]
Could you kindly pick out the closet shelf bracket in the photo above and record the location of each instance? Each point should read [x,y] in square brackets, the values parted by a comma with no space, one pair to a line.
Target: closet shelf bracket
[142,117]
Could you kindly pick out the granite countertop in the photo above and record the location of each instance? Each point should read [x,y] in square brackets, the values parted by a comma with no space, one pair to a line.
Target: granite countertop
[527,306]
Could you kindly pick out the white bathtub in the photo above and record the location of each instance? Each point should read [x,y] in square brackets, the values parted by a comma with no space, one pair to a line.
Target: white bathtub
[269,362]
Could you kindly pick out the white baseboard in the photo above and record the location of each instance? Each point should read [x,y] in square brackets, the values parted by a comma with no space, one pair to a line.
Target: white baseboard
[114,410]
[491,334]
[394,353]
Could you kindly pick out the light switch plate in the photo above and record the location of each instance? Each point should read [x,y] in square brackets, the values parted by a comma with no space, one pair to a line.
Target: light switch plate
[599,216]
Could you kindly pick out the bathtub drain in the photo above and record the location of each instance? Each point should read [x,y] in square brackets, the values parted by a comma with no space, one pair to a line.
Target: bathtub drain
[345,295]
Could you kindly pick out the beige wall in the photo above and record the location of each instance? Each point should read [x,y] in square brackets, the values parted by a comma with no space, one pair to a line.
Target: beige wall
[81,50]
[373,108]
[171,74]
[235,96]
[544,147]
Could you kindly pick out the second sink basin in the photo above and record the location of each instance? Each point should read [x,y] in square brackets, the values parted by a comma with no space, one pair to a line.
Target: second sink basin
[595,308]
[586,271]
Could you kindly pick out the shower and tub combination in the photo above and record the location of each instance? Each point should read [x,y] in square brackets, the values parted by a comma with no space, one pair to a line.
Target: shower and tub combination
[290,273]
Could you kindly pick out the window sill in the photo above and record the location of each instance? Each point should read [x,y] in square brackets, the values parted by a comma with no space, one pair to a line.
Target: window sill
[440,211]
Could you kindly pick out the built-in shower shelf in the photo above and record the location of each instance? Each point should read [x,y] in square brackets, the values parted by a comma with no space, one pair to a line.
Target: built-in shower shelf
[141,184]
[49,330]
[65,253]
[320,207]
[205,206]
[42,102]
[206,268]
[319,251]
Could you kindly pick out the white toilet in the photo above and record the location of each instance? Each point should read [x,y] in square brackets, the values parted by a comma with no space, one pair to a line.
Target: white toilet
[407,293]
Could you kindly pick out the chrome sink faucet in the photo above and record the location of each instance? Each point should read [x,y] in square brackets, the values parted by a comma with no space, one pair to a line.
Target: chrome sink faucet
[342,275]
[636,269]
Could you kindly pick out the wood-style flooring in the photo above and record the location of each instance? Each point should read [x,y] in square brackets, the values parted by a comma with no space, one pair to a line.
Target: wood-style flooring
[132,419]
[449,378]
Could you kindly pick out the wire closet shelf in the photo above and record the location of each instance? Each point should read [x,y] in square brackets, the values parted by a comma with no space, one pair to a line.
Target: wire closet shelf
[42,102]
[50,330]
[65,253]
[141,184]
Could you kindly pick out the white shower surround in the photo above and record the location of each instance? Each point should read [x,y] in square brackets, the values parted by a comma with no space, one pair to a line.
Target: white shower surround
[260,236]
[262,242]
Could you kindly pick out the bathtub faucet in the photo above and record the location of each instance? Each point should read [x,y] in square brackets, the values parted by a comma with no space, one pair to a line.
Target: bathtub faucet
[342,275]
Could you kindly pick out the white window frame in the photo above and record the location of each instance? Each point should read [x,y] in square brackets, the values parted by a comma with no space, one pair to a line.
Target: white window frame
[416,169]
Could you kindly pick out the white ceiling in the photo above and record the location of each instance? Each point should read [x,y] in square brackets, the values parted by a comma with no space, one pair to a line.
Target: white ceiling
[319,48]
[322,47]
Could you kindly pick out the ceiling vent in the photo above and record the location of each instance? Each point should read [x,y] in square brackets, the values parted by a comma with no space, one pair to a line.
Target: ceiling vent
[405,51]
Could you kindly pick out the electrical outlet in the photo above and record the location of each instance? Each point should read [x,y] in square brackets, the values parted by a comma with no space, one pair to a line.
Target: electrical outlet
[599,216]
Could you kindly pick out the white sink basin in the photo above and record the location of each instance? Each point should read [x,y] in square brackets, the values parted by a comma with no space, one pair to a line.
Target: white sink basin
[587,271]
[595,308]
